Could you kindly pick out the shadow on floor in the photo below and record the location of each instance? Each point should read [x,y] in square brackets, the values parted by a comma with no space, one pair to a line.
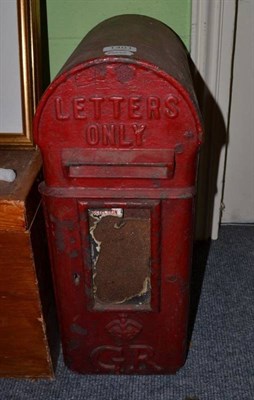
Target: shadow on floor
[200,255]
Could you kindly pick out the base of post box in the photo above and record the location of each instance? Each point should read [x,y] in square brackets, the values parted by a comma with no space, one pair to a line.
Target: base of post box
[122,297]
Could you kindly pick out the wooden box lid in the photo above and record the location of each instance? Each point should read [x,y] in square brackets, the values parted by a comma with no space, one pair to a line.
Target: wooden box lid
[20,199]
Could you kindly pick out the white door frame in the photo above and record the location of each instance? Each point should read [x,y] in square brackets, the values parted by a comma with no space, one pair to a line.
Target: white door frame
[212,40]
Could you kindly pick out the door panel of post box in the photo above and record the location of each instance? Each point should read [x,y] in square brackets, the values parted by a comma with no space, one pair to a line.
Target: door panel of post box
[123,252]
[118,238]
[139,326]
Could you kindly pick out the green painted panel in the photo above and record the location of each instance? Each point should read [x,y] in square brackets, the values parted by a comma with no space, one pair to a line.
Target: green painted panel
[70,20]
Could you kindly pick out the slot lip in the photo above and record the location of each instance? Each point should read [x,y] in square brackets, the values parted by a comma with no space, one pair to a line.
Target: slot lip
[110,164]
[125,163]
[120,171]
[115,156]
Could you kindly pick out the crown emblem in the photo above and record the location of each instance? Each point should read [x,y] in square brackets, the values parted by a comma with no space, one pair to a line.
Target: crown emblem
[124,328]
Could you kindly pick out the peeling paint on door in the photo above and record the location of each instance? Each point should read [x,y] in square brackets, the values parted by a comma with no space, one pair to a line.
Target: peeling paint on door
[120,254]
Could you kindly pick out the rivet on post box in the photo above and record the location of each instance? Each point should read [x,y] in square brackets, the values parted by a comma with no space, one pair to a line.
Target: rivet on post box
[119,132]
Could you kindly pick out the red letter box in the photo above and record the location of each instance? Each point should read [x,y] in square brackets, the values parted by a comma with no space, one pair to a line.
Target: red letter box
[119,132]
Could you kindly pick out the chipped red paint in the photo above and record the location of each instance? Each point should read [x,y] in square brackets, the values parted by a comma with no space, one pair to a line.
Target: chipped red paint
[121,130]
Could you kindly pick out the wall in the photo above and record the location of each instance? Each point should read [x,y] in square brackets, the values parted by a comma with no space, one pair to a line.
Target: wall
[212,39]
[70,20]
[10,102]
[239,182]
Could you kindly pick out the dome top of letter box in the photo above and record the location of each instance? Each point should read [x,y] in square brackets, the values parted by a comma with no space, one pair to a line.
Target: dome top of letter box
[123,98]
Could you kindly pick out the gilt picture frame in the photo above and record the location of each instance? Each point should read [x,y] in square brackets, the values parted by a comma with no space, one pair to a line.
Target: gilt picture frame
[20,81]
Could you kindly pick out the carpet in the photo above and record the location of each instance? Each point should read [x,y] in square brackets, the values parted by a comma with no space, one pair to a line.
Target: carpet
[220,362]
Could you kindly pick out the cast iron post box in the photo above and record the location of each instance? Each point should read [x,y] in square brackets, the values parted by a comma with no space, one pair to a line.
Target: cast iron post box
[119,132]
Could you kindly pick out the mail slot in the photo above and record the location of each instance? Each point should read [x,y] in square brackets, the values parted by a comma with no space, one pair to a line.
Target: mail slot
[119,132]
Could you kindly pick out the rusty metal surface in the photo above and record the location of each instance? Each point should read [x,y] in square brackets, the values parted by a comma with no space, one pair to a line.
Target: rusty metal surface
[121,253]
[119,129]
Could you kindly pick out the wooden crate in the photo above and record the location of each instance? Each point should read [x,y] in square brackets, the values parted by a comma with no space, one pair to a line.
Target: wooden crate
[28,328]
